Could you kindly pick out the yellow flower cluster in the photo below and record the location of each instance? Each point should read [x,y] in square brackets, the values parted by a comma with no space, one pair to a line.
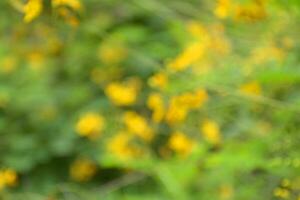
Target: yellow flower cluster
[32,9]
[180,143]
[189,56]
[156,104]
[74,4]
[120,146]
[198,31]
[211,132]
[287,189]
[90,125]
[251,88]
[82,170]
[137,125]
[250,12]
[8,177]
[180,105]
[204,41]
[122,94]
[223,8]
[159,80]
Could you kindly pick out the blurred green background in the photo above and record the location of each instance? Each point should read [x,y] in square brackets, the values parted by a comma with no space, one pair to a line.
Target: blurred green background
[149,99]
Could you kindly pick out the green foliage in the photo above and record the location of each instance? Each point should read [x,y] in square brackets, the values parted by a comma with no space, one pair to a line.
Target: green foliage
[56,70]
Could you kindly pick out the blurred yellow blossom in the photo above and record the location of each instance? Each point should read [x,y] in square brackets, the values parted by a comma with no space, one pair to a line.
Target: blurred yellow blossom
[251,88]
[285,183]
[68,16]
[90,125]
[119,145]
[159,80]
[32,9]
[8,177]
[211,131]
[191,54]
[281,193]
[180,143]
[137,125]
[223,8]
[176,112]
[82,170]
[156,104]
[197,30]
[180,105]
[122,94]
[193,100]
[252,12]
[74,4]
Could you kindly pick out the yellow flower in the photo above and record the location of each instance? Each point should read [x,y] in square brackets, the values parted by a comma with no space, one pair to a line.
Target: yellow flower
[156,104]
[180,105]
[191,54]
[211,131]
[138,125]
[197,30]
[176,112]
[68,16]
[250,13]
[122,94]
[2,181]
[281,193]
[251,88]
[119,145]
[222,9]
[90,125]
[180,143]
[74,4]
[159,80]
[112,53]
[193,100]
[8,177]
[82,170]
[32,9]
[286,183]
